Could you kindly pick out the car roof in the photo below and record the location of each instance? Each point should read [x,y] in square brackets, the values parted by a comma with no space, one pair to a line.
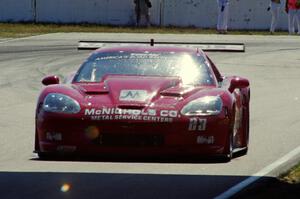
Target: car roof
[156,49]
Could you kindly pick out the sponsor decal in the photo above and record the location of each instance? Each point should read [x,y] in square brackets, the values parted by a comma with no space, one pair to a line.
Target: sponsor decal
[66,148]
[131,114]
[54,136]
[205,140]
[119,111]
[133,95]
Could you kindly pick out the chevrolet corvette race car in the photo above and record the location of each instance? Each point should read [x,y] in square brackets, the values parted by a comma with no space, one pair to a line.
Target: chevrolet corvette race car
[144,100]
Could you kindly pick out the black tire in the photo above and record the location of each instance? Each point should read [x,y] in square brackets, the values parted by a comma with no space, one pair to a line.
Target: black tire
[242,152]
[245,150]
[228,155]
[46,156]
[246,136]
[229,148]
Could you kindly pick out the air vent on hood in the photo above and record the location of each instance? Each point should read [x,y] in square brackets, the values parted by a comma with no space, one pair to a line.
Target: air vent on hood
[178,91]
[99,92]
[131,106]
[94,88]
[171,94]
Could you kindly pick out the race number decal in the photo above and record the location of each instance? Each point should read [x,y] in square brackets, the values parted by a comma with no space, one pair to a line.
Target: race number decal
[197,124]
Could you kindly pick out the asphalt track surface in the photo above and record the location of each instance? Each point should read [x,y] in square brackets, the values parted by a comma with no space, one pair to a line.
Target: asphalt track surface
[272,63]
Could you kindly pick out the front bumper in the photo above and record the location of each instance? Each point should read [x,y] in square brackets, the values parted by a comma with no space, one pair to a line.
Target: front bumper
[85,137]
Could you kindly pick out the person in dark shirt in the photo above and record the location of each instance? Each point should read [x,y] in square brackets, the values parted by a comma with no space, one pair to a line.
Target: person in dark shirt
[142,10]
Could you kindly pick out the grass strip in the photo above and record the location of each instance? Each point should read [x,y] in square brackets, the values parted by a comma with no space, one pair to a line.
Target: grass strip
[293,176]
[286,186]
[16,30]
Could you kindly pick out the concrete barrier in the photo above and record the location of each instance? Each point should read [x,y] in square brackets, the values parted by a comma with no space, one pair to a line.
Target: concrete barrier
[244,14]
[16,10]
[113,12]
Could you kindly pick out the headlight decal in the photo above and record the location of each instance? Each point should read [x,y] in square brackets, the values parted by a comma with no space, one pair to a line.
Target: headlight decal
[60,103]
[208,105]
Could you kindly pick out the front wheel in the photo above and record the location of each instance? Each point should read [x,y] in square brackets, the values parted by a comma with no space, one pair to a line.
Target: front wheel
[228,155]
[241,152]
[228,152]
[246,132]
[47,156]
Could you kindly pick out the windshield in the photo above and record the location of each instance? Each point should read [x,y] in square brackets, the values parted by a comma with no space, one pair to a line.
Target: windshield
[192,69]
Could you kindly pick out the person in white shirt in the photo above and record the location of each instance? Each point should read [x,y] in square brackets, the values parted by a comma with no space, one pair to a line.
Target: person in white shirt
[223,14]
[274,7]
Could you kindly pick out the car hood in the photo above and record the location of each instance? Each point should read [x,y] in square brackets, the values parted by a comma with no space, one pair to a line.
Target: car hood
[138,91]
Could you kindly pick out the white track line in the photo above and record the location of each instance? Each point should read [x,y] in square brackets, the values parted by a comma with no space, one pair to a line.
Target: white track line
[237,188]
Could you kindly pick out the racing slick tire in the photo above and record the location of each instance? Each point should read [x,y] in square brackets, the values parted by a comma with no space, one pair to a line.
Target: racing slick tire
[244,151]
[228,155]
[46,156]
[229,149]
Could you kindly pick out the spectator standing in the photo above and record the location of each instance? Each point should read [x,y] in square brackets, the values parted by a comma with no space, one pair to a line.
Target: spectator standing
[274,7]
[142,10]
[292,7]
[223,13]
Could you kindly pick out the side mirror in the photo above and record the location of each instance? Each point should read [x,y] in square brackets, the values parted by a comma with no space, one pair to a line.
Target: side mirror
[50,80]
[238,82]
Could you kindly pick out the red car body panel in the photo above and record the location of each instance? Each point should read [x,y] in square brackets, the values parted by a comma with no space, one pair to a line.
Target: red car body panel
[154,126]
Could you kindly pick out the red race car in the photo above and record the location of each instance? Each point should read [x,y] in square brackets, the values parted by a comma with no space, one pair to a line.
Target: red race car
[144,100]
